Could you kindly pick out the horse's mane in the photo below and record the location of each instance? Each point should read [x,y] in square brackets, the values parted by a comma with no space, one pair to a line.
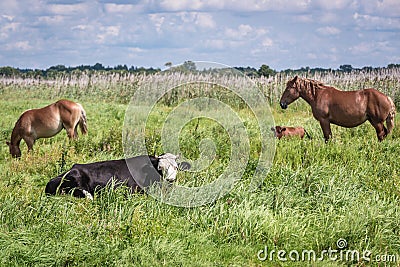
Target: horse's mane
[309,85]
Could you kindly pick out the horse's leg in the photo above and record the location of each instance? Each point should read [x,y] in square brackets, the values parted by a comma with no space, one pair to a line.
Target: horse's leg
[30,141]
[326,129]
[70,132]
[380,129]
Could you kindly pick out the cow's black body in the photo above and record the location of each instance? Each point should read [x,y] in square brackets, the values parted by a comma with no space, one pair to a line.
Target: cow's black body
[87,178]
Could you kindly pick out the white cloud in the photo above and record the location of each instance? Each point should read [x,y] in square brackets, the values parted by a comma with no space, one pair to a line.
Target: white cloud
[157,20]
[267,42]
[237,32]
[334,5]
[20,45]
[233,5]
[108,33]
[80,27]
[118,8]
[68,9]
[329,30]
[136,49]
[245,32]
[51,19]
[7,17]
[242,31]
[381,7]
[205,20]
[376,22]
[367,48]
[8,28]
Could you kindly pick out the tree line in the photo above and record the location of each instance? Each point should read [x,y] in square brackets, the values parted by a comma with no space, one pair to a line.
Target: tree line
[264,70]
[57,70]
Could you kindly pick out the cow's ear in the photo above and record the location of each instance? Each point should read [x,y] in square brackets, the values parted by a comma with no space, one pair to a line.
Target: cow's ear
[283,129]
[273,129]
[295,78]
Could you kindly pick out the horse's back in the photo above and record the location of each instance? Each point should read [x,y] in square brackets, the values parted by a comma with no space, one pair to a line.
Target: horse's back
[68,104]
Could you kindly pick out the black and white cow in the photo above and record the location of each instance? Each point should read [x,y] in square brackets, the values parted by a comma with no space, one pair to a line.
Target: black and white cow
[82,180]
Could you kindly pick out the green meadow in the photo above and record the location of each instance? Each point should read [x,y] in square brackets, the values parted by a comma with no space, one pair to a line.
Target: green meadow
[313,196]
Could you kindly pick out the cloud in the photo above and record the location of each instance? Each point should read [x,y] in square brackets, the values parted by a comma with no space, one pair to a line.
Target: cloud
[68,9]
[107,34]
[157,20]
[328,31]
[19,45]
[281,34]
[57,19]
[376,23]
[7,29]
[333,5]
[267,42]
[233,5]
[80,27]
[118,8]
[244,32]
[7,17]
[204,20]
[368,48]
[385,8]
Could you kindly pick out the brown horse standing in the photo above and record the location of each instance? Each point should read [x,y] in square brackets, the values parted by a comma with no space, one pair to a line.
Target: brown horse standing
[47,122]
[343,108]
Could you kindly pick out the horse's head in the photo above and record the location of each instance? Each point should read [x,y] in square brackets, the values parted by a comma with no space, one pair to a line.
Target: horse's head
[278,131]
[15,151]
[291,93]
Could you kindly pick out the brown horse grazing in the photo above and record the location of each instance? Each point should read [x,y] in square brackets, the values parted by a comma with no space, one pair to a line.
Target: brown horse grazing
[47,122]
[343,108]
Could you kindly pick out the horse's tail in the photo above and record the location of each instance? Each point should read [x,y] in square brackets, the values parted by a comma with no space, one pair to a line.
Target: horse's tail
[83,122]
[390,117]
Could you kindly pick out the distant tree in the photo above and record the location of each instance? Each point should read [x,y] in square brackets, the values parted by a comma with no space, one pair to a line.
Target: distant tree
[57,68]
[168,64]
[121,67]
[98,66]
[8,71]
[266,71]
[346,68]
[189,65]
[391,66]
[248,71]
[367,68]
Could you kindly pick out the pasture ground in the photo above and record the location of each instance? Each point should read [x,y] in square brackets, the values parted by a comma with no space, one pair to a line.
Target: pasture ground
[314,195]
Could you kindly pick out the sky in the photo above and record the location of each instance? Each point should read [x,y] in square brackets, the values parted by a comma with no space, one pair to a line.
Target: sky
[282,34]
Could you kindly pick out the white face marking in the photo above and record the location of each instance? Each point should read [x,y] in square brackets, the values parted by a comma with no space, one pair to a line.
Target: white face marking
[167,163]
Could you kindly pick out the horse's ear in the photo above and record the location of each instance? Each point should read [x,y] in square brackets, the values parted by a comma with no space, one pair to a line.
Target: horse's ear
[295,78]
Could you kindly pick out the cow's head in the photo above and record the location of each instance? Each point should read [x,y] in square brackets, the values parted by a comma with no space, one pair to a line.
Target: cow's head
[169,167]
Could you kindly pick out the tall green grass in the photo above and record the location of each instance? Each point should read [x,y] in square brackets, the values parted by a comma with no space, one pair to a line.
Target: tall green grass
[314,194]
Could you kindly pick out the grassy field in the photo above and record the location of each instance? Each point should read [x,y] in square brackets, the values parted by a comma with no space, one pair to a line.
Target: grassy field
[314,194]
